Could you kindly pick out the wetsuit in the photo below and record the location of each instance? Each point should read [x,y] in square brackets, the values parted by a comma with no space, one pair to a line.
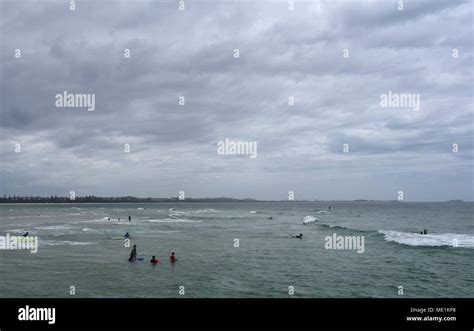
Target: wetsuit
[133,255]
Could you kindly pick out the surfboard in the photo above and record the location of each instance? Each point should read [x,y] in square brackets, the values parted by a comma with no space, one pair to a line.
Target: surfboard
[137,259]
[119,238]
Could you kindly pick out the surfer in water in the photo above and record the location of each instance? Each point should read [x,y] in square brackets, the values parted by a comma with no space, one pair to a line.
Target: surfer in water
[154,260]
[129,218]
[127,235]
[25,235]
[300,236]
[270,218]
[329,208]
[133,254]
[425,231]
[173,258]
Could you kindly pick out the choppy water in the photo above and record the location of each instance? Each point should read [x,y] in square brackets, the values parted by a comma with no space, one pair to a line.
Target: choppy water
[75,249]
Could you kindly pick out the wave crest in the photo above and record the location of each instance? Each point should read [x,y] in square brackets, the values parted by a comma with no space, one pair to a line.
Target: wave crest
[435,240]
[310,219]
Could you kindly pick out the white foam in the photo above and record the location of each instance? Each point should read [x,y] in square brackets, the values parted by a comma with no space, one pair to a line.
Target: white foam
[13,217]
[199,211]
[177,213]
[62,243]
[436,239]
[98,220]
[172,220]
[253,212]
[310,219]
[53,227]
[16,231]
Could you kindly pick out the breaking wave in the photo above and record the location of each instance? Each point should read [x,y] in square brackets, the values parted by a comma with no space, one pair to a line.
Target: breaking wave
[435,239]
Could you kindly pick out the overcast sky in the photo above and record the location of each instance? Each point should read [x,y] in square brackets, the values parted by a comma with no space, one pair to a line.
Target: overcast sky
[282,53]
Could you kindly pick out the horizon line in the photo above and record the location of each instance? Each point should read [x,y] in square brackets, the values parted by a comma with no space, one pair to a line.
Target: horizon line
[134,199]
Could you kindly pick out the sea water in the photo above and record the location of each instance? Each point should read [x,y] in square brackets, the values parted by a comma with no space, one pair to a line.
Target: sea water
[233,250]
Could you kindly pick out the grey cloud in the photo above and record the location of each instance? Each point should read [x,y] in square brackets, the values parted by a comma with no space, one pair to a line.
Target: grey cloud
[282,53]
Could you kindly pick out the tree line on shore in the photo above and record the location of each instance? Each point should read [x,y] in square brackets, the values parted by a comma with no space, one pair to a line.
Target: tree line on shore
[93,198]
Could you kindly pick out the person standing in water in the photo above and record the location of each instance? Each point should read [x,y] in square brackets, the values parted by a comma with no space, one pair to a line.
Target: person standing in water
[133,254]
[173,258]
[329,208]
[154,260]
[129,218]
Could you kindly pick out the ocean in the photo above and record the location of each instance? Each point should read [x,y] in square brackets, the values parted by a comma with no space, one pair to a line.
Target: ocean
[240,250]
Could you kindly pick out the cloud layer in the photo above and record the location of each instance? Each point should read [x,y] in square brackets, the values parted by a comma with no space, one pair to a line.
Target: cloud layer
[282,53]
